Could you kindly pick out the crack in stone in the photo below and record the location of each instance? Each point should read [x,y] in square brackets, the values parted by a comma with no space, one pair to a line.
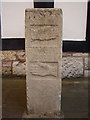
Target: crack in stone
[43,39]
[35,74]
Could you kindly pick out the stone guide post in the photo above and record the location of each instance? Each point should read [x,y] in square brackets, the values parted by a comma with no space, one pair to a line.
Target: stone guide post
[43,46]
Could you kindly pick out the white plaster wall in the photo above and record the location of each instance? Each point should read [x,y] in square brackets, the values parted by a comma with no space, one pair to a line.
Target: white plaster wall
[74,19]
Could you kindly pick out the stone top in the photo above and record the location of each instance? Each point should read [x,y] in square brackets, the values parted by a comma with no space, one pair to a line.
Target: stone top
[43,9]
[43,16]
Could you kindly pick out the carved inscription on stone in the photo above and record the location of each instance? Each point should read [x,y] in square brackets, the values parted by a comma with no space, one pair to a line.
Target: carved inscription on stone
[44,33]
[43,71]
[44,17]
[43,54]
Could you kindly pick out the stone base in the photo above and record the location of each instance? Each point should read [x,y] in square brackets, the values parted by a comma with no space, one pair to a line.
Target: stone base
[25,115]
[44,97]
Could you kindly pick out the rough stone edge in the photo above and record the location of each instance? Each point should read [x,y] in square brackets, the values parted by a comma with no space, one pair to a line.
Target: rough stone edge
[43,9]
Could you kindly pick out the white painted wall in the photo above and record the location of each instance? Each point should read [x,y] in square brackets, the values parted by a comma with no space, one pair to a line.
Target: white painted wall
[74,19]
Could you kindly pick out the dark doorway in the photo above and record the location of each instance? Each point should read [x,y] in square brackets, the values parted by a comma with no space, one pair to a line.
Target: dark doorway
[44,4]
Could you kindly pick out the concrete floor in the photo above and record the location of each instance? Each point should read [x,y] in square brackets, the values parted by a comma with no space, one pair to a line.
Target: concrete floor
[74,97]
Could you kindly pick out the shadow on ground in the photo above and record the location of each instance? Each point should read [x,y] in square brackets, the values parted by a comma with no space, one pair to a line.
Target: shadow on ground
[74,97]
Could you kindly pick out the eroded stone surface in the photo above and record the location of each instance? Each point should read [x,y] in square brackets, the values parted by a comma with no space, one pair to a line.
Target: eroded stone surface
[43,71]
[9,55]
[20,55]
[72,67]
[19,68]
[87,63]
[65,54]
[43,36]
[44,43]
[6,67]
[6,71]
[87,73]
[44,54]
[43,17]
[43,46]
[42,33]
[6,63]
[80,54]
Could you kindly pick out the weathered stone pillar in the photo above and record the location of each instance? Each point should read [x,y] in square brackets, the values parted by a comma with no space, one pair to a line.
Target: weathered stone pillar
[43,46]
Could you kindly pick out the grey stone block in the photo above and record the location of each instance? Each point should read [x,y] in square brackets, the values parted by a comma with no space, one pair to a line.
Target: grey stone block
[72,67]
